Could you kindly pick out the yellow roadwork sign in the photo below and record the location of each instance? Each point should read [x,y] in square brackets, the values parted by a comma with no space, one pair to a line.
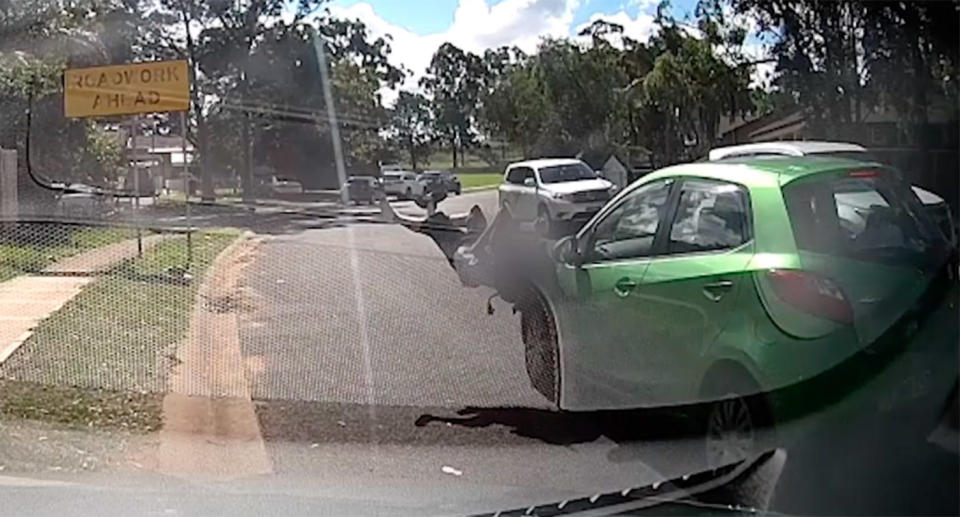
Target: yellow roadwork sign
[127,89]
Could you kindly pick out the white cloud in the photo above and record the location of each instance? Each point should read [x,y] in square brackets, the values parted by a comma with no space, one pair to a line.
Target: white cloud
[476,27]
[639,28]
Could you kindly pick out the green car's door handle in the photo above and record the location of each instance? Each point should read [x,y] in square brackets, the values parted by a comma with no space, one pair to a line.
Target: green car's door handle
[714,291]
[624,287]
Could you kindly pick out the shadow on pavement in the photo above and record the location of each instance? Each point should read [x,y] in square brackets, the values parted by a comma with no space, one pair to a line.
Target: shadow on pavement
[330,422]
[566,428]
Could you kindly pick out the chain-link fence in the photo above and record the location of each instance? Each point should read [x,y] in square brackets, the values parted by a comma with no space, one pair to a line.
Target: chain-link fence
[92,317]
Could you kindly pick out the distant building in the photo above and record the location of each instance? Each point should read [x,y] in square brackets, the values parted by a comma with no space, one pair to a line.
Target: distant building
[162,156]
[621,168]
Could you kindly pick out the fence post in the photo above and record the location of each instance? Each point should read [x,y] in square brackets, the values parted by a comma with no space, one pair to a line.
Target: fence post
[9,202]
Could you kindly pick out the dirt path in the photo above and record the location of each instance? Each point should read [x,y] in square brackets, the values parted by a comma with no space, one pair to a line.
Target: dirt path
[210,429]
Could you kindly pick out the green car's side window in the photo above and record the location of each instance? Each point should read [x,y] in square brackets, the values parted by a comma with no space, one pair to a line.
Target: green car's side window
[629,230]
[710,216]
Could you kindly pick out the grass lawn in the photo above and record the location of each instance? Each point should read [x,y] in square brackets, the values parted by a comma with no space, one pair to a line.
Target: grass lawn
[102,359]
[33,247]
[480,179]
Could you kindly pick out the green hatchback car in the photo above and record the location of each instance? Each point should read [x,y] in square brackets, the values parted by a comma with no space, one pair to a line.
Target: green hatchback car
[712,281]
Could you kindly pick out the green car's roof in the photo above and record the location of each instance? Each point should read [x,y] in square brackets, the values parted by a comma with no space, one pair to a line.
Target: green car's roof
[793,167]
[762,171]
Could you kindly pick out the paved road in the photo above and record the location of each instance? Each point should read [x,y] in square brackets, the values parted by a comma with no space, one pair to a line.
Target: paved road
[371,313]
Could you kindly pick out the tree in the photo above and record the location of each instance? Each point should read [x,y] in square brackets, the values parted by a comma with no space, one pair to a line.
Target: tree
[411,123]
[454,81]
[840,60]
[38,39]
[257,79]
[687,91]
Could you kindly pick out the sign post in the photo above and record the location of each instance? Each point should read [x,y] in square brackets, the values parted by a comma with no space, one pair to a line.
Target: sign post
[186,185]
[134,166]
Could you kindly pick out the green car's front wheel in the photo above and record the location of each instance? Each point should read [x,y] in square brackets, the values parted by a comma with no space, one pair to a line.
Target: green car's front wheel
[540,344]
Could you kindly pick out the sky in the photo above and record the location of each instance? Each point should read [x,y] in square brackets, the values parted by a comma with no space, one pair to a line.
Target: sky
[419,27]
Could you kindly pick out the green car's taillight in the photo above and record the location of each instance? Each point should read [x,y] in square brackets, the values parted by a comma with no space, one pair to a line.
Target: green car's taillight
[811,293]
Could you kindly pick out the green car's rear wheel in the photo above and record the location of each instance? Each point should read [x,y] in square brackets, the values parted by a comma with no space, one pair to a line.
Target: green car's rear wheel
[540,346]
[737,425]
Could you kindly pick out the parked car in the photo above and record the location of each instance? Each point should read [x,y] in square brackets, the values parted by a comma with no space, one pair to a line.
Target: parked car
[279,186]
[938,208]
[449,181]
[552,191]
[402,184]
[362,189]
[82,201]
[721,283]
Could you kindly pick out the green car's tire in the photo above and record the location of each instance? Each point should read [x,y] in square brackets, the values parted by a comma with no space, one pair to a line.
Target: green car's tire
[540,347]
[737,425]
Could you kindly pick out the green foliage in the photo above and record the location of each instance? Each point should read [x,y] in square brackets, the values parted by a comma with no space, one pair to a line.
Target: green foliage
[839,60]
[412,125]
[454,82]
[614,93]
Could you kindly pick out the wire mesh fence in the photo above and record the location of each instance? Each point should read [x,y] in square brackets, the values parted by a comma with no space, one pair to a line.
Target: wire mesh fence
[91,318]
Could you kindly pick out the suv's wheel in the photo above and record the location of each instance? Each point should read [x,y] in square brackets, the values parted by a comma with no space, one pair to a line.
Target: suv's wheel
[543,224]
[540,344]
[733,423]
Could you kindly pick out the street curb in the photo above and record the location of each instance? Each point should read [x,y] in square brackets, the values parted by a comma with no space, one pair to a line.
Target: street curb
[210,428]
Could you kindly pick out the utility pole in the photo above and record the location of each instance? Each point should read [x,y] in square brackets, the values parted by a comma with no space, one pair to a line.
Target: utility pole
[331,116]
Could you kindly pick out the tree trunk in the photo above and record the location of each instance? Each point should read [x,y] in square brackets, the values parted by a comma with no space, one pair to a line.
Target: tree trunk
[248,193]
[413,153]
[206,183]
[454,148]
[206,179]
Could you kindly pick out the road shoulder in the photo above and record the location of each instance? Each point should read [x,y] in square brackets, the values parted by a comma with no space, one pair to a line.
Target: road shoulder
[210,428]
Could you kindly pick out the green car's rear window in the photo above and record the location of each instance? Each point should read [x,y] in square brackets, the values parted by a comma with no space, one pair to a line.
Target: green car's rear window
[862,214]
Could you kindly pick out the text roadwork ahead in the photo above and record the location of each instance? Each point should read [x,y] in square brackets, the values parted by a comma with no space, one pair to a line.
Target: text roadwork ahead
[127,89]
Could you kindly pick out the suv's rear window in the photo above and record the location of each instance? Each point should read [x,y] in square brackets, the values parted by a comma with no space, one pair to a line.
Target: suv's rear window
[866,215]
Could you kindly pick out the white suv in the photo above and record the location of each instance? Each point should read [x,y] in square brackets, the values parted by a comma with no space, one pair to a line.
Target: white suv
[402,184]
[551,191]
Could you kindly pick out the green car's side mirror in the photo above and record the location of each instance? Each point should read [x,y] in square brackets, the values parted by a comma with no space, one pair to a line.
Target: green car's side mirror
[565,251]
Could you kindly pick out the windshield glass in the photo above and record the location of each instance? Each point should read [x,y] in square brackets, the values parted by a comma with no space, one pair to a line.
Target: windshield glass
[562,173]
[470,257]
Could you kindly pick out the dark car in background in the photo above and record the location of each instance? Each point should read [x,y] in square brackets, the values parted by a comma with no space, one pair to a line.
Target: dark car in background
[362,189]
[446,178]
